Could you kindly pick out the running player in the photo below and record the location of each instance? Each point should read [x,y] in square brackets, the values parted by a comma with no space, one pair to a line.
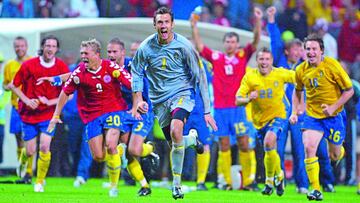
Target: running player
[327,88]
[264,88]
[139,128]
[10,70]
[100,105]
[37,104]
[172,68]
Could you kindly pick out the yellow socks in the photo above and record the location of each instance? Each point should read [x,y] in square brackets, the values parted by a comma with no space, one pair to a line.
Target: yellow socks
[147,149]
[114,165]
[244,160]
[43,166]
[29,167]
[272,165]
[19,150]
[136,172]
[226,165]
[342,152]
[203,161]
[312,170]
[252,165]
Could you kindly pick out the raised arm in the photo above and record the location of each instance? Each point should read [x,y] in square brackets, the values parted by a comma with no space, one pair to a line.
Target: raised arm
[195,34]
[257,27]
[277,46]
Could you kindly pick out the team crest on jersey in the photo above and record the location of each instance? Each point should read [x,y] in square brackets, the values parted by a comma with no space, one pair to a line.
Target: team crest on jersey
[321,73]
[241,53]
[116,73]
[215,55]
[107,78]
[76,80]
[176,56]
[276,83]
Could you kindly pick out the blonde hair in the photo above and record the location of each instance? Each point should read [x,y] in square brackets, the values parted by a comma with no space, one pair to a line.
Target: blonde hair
[93,43]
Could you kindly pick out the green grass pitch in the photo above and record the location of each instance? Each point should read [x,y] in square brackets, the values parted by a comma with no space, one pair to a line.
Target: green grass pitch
[62,190]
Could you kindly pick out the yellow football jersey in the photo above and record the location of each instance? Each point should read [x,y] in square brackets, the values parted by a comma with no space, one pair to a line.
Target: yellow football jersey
[323,85]
[10,70]
[269,103]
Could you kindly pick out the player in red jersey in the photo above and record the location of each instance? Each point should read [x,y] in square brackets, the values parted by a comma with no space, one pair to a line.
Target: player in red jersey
[37,104]
[98,83]
[229,69]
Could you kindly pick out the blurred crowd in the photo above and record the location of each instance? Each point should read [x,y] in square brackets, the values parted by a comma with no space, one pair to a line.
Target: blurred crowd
[336,20]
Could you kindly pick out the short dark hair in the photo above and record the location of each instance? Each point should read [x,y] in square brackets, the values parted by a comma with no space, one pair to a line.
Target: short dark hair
[293,42]
[43,41]
[263,50]
[314,37]
[117,41]
[163,10]
[20,38]
[231,34]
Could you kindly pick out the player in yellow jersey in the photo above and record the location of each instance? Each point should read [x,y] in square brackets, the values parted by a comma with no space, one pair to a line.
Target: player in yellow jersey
[264,88]
[327,88]
[10,70]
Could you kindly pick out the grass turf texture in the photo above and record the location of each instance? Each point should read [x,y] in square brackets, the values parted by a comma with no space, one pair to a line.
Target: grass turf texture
[62,190]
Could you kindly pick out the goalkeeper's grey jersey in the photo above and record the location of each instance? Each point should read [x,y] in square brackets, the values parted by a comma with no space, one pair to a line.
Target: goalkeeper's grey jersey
[170,68]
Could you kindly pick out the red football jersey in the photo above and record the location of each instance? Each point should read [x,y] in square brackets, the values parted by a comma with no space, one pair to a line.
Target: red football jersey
[98,91]
[228,73]
[27,77]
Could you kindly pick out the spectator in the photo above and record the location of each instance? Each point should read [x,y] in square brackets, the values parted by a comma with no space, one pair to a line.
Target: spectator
[44,8]
[315,9]
[116,8]
[349,38]
[219,13]
[83,8]
[17,9]
[294,19]
[239,14]
[331,48]
[145,8]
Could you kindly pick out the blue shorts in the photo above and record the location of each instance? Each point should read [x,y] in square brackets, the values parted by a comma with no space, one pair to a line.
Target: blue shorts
[231,121]
[139,127]
[332,127]
[15,122]
[276,126]
[108,120]
[196,121]
[117,120]
[32,130]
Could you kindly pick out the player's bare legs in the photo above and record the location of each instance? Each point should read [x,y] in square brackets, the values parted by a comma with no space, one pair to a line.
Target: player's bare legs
[43,162]
[137,148]
[28,151]
[107,151]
